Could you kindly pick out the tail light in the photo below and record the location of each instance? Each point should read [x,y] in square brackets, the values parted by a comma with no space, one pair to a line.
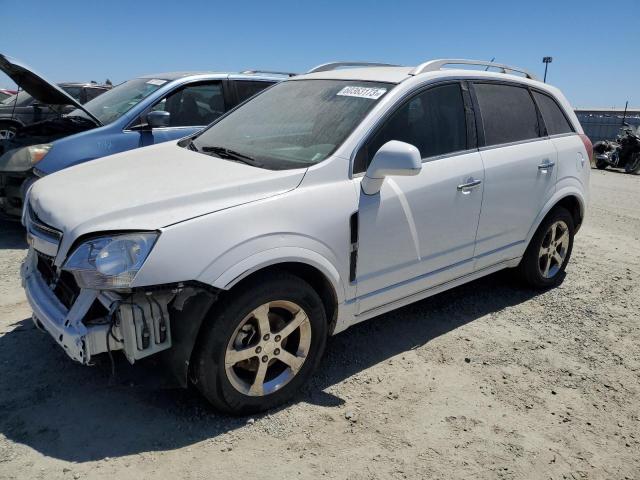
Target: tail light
[588,145]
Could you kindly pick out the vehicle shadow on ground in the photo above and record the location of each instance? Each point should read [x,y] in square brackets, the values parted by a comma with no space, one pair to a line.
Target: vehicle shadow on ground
[70,412]
[12,235]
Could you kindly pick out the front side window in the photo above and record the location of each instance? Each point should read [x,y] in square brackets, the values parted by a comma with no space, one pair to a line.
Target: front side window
[295,124]
[432,121]
[111,105]
[554,119]
[508,113]
[194,105]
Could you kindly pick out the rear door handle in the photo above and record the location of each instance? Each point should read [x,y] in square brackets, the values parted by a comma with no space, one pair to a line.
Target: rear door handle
[468,186]
[545,166]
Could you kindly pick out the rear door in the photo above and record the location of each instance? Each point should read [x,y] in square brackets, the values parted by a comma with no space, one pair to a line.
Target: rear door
[572,164]
[520,169]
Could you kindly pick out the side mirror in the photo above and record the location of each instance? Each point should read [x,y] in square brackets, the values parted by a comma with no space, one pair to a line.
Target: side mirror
[158,119]
[393,158]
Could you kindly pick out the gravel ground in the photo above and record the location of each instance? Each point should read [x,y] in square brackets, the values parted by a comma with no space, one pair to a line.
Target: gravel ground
[489,380]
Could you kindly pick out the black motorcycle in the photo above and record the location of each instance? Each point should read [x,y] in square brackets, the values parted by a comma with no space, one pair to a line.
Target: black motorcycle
[624,152]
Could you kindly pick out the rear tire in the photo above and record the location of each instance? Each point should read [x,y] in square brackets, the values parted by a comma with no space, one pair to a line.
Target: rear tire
[633,166]
[548,253]
[260,344]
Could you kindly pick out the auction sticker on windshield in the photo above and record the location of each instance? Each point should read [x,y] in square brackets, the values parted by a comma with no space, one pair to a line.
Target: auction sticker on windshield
[362,92]
[156,81]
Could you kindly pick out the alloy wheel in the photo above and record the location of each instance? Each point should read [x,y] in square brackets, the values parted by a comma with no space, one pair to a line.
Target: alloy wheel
[268,348]
[553,250]
[7,134]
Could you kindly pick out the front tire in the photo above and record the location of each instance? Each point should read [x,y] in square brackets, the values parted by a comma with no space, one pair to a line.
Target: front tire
[601,164]
[548,253]
[7,130]
[260,344]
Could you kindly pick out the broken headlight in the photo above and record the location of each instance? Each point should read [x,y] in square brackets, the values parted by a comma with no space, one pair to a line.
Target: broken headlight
[110,262]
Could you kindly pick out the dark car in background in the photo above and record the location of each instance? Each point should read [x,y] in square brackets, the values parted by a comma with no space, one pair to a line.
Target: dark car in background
[23,109]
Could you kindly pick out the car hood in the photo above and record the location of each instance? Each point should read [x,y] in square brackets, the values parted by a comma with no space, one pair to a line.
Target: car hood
[35,84]
[149,188]
[14,158]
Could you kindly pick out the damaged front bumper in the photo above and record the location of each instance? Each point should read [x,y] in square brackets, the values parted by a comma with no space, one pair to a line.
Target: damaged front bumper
[140,323]
[162,319]
[52,316]
[94,322]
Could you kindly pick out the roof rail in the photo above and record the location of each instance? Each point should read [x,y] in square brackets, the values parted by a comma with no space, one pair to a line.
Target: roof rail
[270,72]
[325,67]
[435,65]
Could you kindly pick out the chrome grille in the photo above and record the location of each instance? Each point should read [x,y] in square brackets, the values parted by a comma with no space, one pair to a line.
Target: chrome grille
[42,237]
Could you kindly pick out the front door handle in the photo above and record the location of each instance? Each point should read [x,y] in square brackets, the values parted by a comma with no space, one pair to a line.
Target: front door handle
[465,187]
[546,166]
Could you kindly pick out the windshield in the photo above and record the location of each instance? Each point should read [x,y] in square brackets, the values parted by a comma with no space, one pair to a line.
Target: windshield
[111,105]
[293,124]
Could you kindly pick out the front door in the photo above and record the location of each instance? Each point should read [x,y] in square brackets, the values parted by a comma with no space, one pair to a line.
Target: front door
[192,107]
[420,231]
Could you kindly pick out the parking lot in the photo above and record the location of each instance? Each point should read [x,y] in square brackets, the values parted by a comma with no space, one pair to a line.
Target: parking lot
[489,380]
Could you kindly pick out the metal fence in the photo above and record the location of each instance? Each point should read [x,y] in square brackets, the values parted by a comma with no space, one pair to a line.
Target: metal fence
[602,126]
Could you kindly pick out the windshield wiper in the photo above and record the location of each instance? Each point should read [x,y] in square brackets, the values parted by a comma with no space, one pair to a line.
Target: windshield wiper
[192,146]
[229,154]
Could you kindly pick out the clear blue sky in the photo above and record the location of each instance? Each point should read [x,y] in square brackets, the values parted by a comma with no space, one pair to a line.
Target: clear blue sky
[595,45]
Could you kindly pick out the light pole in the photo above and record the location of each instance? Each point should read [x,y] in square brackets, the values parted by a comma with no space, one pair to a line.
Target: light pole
[546,61]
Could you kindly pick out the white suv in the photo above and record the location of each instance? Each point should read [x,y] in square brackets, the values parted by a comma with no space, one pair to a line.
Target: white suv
[326,200]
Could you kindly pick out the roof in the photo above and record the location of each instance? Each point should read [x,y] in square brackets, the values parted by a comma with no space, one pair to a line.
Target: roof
[371,74]
[398,74]
[171,76]
[176,75]
[83,84]
[619,110]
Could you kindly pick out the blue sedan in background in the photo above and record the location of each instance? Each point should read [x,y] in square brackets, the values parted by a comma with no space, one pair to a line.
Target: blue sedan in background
[140,112]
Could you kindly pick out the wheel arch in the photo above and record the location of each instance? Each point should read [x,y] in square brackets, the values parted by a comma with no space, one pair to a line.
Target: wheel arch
[573,205]
[312,267]
[11,121]
[309,273]
[571,199]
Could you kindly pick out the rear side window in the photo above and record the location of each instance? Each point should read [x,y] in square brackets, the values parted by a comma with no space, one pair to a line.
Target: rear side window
[247,89]
[555,121]
[508,113]
[75,92]
[433,121]
[94,92]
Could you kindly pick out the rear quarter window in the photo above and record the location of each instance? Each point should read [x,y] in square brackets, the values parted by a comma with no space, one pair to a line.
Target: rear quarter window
[247,88]
[554,119]
[508,113]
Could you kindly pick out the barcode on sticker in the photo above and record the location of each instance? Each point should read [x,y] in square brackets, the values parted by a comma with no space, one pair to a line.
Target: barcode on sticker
[362,92]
